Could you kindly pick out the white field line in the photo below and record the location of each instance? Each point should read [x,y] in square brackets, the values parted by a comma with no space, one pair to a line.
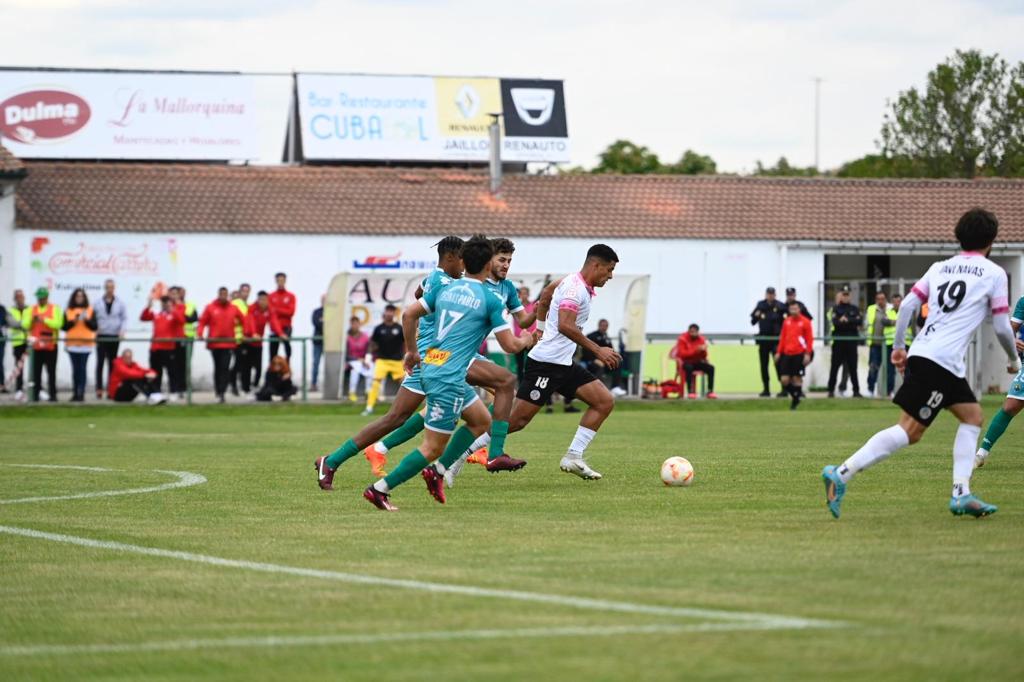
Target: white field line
[765,620]
[185,479]
[270,641]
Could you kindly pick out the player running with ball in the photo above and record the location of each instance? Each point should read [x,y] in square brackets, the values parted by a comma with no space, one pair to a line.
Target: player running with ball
[465,312]
[960,292]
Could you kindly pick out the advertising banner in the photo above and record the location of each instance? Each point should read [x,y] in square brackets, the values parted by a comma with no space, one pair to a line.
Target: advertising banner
[419,118]
[138,265]
[126,115]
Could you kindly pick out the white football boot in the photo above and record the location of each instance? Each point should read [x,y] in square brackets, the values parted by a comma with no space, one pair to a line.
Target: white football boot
[578,466]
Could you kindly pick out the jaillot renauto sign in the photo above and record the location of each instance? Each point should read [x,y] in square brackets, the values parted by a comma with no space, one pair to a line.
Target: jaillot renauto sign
[422,118]
[127,115]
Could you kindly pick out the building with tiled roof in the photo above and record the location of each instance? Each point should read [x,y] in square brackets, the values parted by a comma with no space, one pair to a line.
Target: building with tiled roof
[692,249]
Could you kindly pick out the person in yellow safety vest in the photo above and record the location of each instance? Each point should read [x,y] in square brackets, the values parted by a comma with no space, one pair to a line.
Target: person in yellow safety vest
[45,322]
[79,339]
[240,367]
[881,326]
[182,354]
[18,321]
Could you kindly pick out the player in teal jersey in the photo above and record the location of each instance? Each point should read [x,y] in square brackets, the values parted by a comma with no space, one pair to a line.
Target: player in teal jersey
[465,313]
[482,372]
[1014,402]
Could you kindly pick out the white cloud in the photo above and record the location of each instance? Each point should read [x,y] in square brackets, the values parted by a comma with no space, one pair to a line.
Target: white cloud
[731,79]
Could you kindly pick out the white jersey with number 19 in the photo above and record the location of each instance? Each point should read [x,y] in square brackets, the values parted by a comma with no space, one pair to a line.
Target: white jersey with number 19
[959,292]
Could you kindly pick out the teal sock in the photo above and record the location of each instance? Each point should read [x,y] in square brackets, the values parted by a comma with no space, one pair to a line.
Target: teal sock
[338,457]
[411,464]
[407,431]
[460,440]
[499,430]
[996,428]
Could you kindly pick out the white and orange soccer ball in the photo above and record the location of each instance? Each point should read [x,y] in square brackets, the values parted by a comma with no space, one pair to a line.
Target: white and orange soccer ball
[677,471]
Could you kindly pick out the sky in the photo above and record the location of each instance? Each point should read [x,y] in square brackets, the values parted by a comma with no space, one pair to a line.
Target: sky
[731,79]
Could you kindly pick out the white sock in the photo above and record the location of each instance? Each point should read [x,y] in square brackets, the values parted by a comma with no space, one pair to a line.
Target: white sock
[878,448]
[964,446]
[382,486]
[580,441]
[380,447]
[481,442]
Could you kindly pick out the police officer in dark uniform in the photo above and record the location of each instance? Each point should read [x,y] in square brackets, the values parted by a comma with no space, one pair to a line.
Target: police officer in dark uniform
[768,315]
[846,321]
[791,298]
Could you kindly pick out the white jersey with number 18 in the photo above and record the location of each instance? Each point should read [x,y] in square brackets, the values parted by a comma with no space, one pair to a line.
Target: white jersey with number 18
[959,292]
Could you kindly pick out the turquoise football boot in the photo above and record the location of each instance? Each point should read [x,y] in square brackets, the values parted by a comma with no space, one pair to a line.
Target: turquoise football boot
[834,489]
[971,506]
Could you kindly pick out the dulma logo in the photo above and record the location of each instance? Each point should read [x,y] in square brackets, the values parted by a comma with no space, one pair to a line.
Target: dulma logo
[41,116]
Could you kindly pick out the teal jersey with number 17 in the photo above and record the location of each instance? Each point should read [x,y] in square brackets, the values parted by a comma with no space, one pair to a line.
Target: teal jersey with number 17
[436,280]
[464,312]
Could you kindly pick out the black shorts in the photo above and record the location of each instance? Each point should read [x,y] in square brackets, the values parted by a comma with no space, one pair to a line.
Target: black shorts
[928,387]
[544,378]
[791,365]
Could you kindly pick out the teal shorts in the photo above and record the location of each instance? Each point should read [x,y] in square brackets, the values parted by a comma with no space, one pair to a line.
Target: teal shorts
[414,382]
[445,402]
[1017,386]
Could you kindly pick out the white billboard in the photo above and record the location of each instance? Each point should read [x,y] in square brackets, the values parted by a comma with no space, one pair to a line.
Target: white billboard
[423,118]
[128,115]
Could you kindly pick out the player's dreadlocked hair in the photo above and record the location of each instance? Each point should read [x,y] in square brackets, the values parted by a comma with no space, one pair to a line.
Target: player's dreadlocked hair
[977,229]
[450,244]
[477,253]
[502,245]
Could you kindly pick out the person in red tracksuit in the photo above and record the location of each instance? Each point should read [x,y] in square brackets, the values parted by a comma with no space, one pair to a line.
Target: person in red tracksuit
[793,353]
[691,355]
[283,303]
[128,380]
[168,325]
[260,315]
[218,321]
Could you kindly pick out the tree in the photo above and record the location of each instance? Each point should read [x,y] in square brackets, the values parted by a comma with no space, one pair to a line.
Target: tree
[783,169]
[692,163]
[623,156]
[968,121]
[882,166]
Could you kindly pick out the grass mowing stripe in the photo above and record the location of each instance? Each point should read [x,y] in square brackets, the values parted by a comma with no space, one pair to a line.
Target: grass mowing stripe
[270,641]
[186,479]
[767,621]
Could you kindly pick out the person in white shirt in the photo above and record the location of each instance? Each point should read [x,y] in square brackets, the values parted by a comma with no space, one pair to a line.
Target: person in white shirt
[960,293]
[550,367]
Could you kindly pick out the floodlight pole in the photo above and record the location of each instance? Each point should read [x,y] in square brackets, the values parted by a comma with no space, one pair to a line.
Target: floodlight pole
[495,161]
[817,119]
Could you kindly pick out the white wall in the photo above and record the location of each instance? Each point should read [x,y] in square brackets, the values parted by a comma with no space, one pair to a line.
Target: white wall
[8,276]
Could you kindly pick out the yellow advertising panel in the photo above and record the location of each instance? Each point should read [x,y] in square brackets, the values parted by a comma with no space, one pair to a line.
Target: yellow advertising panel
[464,105]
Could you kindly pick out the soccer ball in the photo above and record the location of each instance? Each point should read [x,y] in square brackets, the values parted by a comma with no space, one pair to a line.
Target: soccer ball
[677,471]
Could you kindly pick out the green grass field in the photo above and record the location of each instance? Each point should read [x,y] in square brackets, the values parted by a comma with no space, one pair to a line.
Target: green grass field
[907,590]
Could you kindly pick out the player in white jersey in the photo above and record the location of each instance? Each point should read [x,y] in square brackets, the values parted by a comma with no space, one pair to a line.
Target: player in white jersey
[550,367]
[960,292]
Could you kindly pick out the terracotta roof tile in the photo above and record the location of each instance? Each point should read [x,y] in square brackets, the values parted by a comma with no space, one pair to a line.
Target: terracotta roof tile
[332,200]
[10,165]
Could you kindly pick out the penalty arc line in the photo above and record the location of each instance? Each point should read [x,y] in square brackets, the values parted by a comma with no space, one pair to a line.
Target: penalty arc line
[185,479]
[763,620]
[271,641]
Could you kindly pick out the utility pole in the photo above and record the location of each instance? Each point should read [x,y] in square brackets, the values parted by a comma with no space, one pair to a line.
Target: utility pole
[817,121]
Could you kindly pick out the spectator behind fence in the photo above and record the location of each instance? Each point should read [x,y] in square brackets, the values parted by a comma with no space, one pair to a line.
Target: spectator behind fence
[283,302]
[791,298]
[19,321]
[277,382]
[241,370]
[184,349]
[846,321]
[528,307]
[387,345]
[4,324]
[357,346]
[79,340]
[768,315]
[691,355]
[128,380]
[260,315]
[589,360]
[218,321]
[318,342]
[47,321]
[111,325]
[168,324]
[881,323]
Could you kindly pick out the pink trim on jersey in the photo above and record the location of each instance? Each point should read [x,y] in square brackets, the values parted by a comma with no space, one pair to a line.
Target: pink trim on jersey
[999,311]
[569,304]
[920,294]
[970,254]
[1000,305]
[590,289]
